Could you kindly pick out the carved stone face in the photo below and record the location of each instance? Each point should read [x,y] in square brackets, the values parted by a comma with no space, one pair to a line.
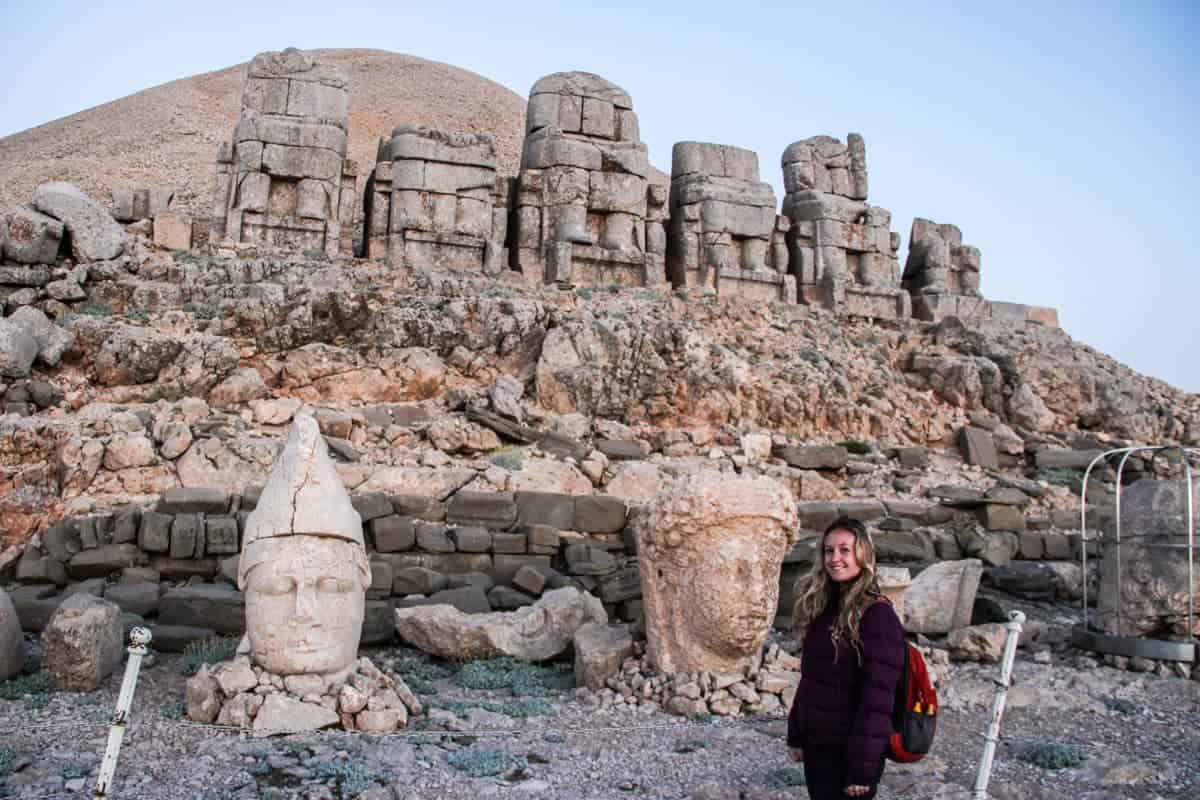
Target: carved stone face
[729,594]
[305,603]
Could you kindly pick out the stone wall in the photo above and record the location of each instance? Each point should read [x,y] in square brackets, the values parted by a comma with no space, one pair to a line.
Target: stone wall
[175,562]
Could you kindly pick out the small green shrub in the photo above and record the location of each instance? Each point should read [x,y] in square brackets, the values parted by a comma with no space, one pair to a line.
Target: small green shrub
[1121,705]
[813,357]
[1059,476]
[1053,755]
[785,777]
[212,650]
[554,737]
[200,310]
[96,309]
[584,292]
[37,686]
[647,294]
[482,763]
[8,757]
[314,254]
[856,448]
[352,778]
[518,709]
[137,314]
[492,292]
[509,457]
[520,677]
[174,710]
[73,769]
[691,746]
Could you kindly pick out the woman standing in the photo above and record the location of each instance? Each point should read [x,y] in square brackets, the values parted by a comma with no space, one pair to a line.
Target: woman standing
[853,654]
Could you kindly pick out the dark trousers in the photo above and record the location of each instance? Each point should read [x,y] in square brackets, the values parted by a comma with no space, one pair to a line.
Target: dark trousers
[825,774]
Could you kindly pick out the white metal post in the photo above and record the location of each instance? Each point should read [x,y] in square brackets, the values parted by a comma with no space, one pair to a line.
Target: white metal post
[1016,618]
[139,638]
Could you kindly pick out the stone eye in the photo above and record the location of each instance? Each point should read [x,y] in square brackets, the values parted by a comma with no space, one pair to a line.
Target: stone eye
[274,584]
[335,586]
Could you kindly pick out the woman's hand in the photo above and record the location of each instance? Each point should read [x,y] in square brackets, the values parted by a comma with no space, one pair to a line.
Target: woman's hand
[795,754]
[857,790]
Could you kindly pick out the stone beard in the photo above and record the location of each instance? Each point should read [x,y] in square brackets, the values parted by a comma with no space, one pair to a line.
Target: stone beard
[305,601]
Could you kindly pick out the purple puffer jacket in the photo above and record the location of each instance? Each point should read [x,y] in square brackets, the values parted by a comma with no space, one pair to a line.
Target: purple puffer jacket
[843,703]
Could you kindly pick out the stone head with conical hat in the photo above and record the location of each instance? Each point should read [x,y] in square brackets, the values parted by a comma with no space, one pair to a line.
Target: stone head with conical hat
[303,567]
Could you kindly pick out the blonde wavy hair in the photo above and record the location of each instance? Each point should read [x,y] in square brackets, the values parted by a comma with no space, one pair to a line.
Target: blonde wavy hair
[815,590]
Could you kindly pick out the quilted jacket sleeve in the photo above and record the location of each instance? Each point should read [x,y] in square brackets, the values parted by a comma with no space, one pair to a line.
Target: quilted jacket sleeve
[795,726]
[883,658]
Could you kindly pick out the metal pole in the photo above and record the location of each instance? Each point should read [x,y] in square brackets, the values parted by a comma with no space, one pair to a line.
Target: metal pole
[139,638]
[993,731]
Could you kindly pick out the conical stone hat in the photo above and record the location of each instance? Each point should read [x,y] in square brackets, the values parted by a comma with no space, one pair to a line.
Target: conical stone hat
[303,496]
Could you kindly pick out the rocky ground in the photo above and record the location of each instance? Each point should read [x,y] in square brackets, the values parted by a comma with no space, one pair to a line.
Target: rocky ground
[1138,734]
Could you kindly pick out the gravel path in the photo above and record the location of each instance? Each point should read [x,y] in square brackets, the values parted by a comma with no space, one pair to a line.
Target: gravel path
[1141,736]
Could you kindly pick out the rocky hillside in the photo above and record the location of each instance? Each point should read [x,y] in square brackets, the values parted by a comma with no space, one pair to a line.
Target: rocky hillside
[168,135]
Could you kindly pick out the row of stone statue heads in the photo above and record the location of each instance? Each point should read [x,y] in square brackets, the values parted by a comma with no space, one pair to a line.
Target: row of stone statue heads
[585,208]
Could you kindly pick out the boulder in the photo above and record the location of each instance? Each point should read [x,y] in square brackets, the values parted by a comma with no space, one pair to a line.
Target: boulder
[33,238]
[535,633]
[52,340]
[18,349]
[941,597]
[203,696]
[95,235]
[1023,579]
[282,714]
[978,642]
[600,650]
[82,642]
[815,456]
[978,447]
[243,386]
[12,642]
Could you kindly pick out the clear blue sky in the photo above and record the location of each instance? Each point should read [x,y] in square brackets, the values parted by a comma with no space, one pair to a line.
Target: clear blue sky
[1064,142]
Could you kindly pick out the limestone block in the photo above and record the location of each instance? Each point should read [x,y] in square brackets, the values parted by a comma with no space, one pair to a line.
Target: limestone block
[628,128]
[95,235]
[535,633]
[978,642]
[614,191]
[82,642]
[283,714]
[105,560]
[543,111]
[978,447]
[253,127]
[545,508]
[221,535]
[312,199]
[134,598]
[301,162]
[18,349]
[52,340]
[154,534]
[393,533]
[598,118]
[493,510]
[824,457]
[329,104]
[710,549]
[12,643]
[714,159]
[599,514]
[471,539]
[942,596]
[33,237]
[265,95]
[185,532]
[600,650]
[428,144]
[548,148]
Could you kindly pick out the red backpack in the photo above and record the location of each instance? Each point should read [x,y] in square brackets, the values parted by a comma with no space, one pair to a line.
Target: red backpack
[914,711]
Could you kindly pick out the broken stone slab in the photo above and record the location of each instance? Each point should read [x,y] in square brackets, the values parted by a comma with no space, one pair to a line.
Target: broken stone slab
[817,515]
[978,642]
[1064,459]
[105,560]
[492,510]
[829,457]
[467,599]
[862,510]
[506,428]
[35,605]
[393,533]
[600,650]
[281,714]
[536,633]
[620,450]
[95,235]
[12,642]
[506,598]
[134,598]
[82,642]
[993,548]
[978,447]
[371,505]
[18,349]
[52,340]
[193,500]
[942,596]
[599,514]
[176,638]
[33,238]
[997,517]
[545,508]
[210,605]
[957,496]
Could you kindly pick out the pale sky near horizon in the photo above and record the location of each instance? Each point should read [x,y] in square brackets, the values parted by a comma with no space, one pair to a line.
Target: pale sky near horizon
[1062,141]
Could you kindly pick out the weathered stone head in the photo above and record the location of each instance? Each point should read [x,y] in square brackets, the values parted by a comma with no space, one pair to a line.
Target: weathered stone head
[303,568]
[710,549]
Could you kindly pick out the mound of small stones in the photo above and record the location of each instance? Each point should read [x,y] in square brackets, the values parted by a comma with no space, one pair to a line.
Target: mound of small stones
[242,695]
[765,687]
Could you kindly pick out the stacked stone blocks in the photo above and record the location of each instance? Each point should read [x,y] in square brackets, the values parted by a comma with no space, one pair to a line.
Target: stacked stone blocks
[585,212]
[435,201]
[724,233]
[284,179]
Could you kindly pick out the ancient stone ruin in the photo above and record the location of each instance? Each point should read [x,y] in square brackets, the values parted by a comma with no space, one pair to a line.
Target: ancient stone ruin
[434,201]
[583,212]
[724,232]
[710,550]
[283,179]
[843,249]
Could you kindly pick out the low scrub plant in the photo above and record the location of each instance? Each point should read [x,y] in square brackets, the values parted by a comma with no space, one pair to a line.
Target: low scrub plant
[1053,755]
[479,762]
[212,650]
[8,757]
[1121,705]
[1059,476]
[785,777]
[509,457]
[855,447]
[352,778]
[691,746]
[35,686]
[520,677]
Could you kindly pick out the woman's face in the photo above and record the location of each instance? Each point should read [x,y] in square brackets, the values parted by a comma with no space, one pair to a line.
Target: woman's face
[841,557]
